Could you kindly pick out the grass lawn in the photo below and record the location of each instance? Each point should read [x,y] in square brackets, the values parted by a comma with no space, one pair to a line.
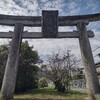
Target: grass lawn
[50,94]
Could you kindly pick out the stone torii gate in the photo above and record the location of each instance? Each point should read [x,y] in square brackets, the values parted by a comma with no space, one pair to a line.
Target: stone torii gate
[50,21]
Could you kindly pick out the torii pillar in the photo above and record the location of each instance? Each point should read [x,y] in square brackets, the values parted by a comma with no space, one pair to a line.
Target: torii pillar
[9,80]
[92,82]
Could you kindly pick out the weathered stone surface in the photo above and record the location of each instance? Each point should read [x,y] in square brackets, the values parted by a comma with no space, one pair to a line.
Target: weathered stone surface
[92,81]
[37,21]
[9,80]
[8,86]
[28,35]
[50,24]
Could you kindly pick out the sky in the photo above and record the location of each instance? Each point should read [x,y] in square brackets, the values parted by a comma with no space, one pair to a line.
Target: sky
[65,7]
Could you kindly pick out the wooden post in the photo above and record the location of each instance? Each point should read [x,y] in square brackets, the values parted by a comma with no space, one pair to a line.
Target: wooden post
[8,86]
[88,61]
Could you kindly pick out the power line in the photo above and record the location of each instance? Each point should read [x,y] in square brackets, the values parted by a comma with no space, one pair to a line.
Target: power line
[96,49]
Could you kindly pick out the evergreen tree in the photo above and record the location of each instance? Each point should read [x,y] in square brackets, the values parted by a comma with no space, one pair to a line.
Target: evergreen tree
[27,70]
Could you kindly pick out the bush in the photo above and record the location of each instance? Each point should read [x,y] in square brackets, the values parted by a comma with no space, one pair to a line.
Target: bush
[42,83]
[26,79]
[27,70]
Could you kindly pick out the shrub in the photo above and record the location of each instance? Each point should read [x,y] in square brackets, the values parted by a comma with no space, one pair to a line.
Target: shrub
[42,82]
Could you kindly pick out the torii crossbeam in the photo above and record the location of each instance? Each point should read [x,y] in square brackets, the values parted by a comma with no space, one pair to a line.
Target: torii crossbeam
[49,22]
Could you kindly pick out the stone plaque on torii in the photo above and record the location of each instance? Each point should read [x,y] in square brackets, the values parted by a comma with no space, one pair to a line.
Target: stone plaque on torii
[49,21]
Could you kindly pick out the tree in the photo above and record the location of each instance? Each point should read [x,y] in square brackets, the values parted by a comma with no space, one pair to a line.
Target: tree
[42,82]
[59,69]
[3,59]
[27,70]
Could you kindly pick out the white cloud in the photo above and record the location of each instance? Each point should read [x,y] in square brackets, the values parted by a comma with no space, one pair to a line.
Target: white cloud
[35,7]
[47,46]
[92,5]
[74,8]
[72,5]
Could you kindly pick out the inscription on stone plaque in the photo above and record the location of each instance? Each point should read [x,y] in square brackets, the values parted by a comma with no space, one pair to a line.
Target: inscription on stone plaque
[50,24]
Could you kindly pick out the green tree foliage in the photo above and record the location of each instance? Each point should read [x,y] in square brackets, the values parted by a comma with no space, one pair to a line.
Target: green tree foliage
[3,59]
[27,70]
[42,82]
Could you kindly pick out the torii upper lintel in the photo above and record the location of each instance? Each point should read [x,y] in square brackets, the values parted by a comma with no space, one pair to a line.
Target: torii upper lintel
[50,23]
